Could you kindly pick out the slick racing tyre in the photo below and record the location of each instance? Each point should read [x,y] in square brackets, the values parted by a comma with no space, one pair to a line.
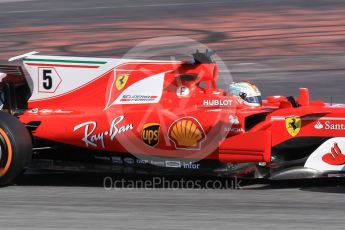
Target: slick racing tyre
[15,148]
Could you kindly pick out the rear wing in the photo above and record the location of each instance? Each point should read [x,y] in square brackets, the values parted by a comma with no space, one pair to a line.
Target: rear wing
[14,89]
[13,74]
[12,70]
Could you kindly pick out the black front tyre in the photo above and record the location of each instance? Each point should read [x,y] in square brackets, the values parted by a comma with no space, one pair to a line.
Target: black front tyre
[15,148]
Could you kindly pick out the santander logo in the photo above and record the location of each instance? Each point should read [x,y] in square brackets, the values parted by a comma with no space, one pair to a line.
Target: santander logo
[318,125]
[335,157]
[330,125]
[329,156]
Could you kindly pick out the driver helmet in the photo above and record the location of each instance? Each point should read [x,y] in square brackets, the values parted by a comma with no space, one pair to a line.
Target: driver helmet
[247,92]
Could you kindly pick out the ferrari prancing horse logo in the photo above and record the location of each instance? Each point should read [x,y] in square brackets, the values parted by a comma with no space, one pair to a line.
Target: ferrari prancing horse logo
[293,125]
[121,81]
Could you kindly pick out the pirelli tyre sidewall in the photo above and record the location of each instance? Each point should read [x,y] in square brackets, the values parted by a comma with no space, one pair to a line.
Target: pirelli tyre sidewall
[15,148]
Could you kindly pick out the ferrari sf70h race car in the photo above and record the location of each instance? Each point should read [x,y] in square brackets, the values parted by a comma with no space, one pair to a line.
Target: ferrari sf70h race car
[124,115]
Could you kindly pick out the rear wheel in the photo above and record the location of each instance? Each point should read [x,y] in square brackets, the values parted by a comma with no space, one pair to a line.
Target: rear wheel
[15,148]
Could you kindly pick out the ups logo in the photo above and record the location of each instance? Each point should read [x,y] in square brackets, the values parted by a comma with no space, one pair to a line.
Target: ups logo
[150,134]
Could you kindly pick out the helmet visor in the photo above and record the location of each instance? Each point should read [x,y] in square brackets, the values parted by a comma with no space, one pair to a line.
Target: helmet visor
[256,99]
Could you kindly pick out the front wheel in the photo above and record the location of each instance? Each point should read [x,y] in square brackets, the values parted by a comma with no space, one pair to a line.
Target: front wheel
[15,148]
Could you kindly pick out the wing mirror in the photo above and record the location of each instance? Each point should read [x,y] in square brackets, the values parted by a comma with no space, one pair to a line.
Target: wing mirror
[304,97]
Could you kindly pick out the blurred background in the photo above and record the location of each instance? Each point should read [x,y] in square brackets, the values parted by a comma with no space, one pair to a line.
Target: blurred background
[279,45]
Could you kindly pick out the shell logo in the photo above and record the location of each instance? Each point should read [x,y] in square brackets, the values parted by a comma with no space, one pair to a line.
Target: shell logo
[187,133]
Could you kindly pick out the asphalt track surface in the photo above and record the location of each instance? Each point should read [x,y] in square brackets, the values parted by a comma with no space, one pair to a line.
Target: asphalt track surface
[280,45]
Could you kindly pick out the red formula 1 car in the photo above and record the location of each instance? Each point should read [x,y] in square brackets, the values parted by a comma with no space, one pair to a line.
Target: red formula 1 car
[98,114]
